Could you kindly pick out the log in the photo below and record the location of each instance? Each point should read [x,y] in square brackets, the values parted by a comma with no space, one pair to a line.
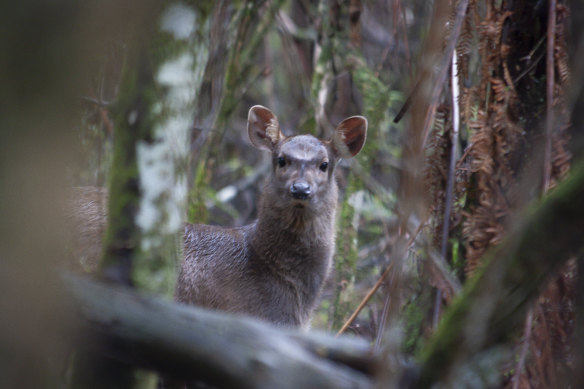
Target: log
[220,349]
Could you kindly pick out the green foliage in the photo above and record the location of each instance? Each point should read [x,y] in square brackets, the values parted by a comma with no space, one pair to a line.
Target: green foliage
[247,29]
[197,210]
[378,100]
[413,318]
[133,123]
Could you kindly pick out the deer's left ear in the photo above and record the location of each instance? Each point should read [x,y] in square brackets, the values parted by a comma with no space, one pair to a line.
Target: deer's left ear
[349,137]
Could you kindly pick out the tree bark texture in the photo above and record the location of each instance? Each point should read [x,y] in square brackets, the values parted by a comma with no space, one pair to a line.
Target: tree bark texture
[493,306]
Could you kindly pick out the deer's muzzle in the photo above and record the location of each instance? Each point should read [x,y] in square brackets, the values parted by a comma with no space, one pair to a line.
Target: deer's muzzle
[300,190]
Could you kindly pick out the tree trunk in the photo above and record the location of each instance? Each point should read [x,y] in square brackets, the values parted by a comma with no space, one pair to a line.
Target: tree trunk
[493,306]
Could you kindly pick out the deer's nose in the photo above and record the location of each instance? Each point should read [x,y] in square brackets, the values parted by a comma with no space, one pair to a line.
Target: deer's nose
[300,190]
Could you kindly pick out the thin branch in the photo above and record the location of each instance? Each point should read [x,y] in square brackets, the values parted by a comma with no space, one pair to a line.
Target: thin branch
[413,94]
[438,265]
[405,34]
[366,299]
[451,177]
[524,348]
[464,155]
[99,103]
[383,321]
[444,65]
[549,122]
[377,285]
[528,69]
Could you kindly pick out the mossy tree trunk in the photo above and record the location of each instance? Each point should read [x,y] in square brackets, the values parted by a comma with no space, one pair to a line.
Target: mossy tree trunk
[342,86]
[133,124]
[166,57]
[167,50]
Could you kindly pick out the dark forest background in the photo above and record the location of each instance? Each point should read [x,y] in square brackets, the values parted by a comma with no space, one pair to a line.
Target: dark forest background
[459,227]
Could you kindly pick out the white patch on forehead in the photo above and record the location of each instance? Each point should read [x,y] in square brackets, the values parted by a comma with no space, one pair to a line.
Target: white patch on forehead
[304,147]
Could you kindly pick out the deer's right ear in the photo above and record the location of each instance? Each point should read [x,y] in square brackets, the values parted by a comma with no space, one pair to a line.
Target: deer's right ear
[349,137]
[263,128]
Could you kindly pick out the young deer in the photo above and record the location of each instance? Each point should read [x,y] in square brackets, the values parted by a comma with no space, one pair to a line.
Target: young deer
[274,268]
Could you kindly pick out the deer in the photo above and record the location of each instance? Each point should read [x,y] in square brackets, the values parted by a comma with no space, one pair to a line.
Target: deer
[274,268]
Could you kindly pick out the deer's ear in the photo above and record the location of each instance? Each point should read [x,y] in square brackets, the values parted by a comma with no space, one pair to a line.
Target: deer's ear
[263,128]
[349,137]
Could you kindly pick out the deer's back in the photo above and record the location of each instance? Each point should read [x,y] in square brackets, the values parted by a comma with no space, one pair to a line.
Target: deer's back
[214,258]
[223,271]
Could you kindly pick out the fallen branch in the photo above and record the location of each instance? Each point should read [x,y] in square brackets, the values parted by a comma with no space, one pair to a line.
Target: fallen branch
[226,351]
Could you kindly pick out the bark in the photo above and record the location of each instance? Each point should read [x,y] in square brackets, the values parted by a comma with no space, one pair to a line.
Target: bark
[226,351]
[133,125]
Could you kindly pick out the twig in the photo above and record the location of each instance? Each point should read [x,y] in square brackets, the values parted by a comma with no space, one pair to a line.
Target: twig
[377,285]
[407,104]
[397,10]
[97,102]
[551,372]
[382,60]
[366,299]
[549,122]
[528,69]
[440,78]
[528,58]
[464,155]
[450,49]
[451,177]
[441,269]
[405,33]
[287,26]
[524,349]
[382,322]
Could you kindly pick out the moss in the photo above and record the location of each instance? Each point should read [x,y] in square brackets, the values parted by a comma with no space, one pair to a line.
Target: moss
[413,319]
[377,101]
[145,104]
[197,210]
[133,123]
[346,260]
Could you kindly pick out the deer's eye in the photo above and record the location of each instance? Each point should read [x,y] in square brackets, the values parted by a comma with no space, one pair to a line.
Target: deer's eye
[323,166]
[281,161]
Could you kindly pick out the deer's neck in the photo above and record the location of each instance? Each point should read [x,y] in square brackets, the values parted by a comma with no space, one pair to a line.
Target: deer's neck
[295,227]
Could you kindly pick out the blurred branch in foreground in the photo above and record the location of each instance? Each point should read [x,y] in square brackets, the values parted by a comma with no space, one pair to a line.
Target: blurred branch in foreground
[493,306]
[226,351]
